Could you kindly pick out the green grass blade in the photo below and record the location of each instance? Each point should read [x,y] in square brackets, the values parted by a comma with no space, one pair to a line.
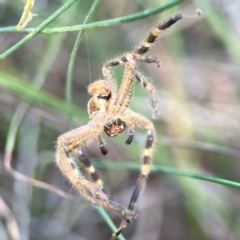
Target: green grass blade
[166,170]
[105,23]
[109,222]
[28,92]
[38,29]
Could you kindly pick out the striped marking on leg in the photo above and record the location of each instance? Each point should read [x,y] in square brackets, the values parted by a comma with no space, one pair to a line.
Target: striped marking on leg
[145,170]
[155,32]
[71,166]
[90,168]
[93,174]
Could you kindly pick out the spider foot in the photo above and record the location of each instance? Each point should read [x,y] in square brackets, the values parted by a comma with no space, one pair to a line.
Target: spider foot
[158,63]
[153,60]
[127,215]
[147,59]
[92,192]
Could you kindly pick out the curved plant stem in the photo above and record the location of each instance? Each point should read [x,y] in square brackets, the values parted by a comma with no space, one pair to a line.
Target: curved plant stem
[10,143]
[22,108]
[105,23]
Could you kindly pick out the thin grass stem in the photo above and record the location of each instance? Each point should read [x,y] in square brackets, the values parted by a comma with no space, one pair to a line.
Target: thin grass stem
[167,170]
[68,88]
[105,23]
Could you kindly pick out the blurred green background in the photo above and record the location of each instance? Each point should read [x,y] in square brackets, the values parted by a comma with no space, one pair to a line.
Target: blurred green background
[198,127]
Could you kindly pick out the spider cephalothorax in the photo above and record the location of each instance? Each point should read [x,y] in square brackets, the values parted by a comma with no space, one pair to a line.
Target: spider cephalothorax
[109,113]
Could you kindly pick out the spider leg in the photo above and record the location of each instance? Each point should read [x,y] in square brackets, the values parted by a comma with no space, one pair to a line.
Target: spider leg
[154,33]
[145,169]
[125,91]
[70,143]
[130,116]
[150,88]
[148,59]
[119,101]
[108,76]
[93,174]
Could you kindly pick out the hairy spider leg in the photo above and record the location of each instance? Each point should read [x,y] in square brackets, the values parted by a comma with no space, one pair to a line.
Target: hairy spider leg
[138,54]
[154,33]
[139,120]
[93,174]
[126,88]
[150,88]
[70,143]
[118,103]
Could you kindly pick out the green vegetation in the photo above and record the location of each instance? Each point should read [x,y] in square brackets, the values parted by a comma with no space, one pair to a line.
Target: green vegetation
[193,189]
